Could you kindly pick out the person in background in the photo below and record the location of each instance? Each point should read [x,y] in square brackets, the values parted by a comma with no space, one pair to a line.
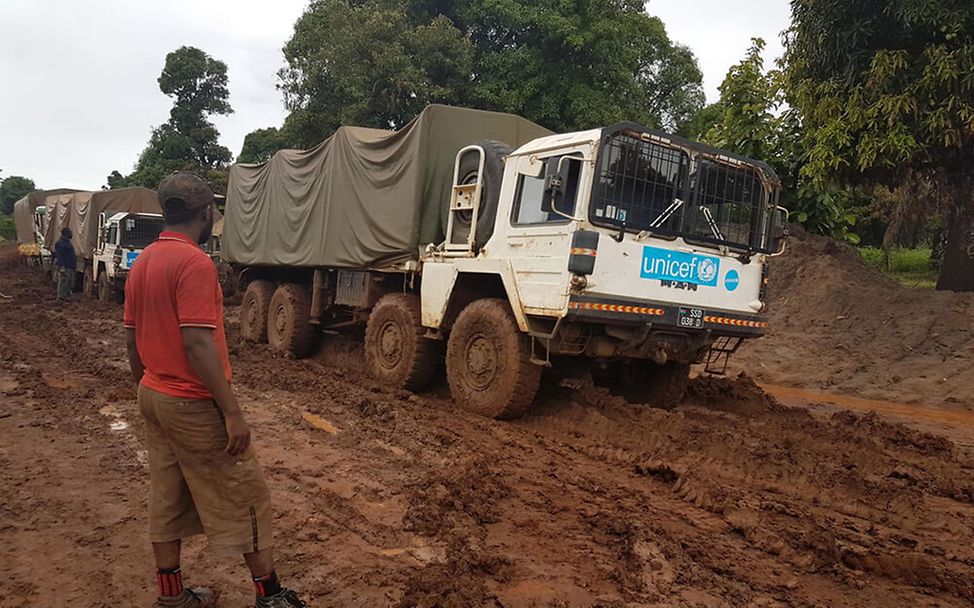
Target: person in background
[203,472]
[66,262]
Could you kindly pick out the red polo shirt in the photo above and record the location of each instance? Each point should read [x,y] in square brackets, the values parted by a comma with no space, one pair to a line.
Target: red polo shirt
[172,285]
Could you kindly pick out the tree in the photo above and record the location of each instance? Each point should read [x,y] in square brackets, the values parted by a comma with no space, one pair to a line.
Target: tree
[12,189]
[885,89]
[565,65]
[188,141]
[751,119]
[260,145]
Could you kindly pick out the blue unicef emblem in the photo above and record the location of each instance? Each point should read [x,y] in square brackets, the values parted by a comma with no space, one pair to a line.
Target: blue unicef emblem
[732,280]
[670,265]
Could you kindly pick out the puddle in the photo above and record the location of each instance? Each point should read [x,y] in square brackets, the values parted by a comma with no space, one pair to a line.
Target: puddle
[957,424]
[118,425]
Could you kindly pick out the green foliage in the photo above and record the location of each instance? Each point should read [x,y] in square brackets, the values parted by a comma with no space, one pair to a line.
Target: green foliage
[909,267]
[260,145]
[566,65]
[885,89]
[12,189]
[8,231]
[751,119]
[188,141]
[882,83]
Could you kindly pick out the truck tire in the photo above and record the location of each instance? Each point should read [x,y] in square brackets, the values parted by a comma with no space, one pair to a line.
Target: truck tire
[645,382]
[289,326]
[88,285]
[396,353]
[104,289]
[254,311]
[495,153]
[488,362]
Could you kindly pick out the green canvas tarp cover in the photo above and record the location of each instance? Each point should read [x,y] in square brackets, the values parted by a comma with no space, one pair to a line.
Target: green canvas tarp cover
[80,211]
[363,197]
[24,212]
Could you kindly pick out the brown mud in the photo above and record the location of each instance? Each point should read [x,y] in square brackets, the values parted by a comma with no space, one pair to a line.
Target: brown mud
[839,325]
[386,498]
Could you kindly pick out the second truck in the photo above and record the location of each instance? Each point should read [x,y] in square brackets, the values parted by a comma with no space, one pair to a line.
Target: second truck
[485,242]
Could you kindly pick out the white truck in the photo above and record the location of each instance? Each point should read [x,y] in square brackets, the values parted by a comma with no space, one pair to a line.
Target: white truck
[631,251]
[121,238]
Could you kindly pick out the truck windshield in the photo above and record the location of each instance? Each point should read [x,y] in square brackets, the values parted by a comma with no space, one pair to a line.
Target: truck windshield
[650,186]
[139,231]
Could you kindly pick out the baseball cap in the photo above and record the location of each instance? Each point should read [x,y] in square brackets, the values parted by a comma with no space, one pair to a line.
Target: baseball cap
[184,191]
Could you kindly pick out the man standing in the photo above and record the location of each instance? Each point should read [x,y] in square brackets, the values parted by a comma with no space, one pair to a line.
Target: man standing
[67,265]
[204,474]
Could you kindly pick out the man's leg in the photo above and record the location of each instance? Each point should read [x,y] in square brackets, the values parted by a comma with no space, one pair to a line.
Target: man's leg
[172,514]
[63,289]
[167,554]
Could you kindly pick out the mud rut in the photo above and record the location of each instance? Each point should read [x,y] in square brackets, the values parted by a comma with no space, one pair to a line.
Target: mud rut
[389,498]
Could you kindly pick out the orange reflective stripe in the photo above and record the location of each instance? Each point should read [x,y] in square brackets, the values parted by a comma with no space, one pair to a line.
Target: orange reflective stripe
[584,251]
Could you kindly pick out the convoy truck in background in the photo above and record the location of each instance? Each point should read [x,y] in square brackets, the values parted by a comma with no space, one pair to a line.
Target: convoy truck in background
[110,228]
[30,221]
[485,237]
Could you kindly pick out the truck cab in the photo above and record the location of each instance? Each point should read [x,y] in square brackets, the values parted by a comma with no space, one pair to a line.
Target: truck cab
[39,224]
[640,251]
[121,238]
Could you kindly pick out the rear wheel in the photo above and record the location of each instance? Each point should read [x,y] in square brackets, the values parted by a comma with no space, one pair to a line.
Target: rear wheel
[88,285]
[488,362]
[254,310]
[289,326]
[396,352]
[640,381]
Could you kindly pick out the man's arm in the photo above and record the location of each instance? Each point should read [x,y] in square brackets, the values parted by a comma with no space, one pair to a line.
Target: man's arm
[203,356]
[135,361]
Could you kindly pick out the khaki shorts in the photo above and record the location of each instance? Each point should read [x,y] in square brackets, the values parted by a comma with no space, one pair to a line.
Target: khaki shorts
[196,487]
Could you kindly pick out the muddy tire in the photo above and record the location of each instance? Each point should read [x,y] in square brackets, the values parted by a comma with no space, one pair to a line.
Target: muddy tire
[488,362]
[645,382]
[105,292]
[494,154]
[396,353]
[254,311]
[289,327]
[88,283]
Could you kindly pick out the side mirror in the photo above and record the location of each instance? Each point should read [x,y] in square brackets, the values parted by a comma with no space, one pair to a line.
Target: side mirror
[557,171]
[779,231]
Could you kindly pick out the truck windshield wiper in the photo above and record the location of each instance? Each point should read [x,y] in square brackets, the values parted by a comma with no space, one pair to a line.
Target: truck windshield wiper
[669,211]
[710,222]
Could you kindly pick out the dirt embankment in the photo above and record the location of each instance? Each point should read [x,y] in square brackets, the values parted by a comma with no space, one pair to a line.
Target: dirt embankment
[385,498]
[839,325]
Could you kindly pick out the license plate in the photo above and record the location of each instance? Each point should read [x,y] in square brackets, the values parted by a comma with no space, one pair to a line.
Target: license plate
[691,318]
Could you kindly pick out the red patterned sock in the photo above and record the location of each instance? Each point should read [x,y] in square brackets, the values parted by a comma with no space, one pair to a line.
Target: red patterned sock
[267,585]
[170,581]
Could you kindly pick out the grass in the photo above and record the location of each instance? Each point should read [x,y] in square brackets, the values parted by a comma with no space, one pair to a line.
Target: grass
[909,267]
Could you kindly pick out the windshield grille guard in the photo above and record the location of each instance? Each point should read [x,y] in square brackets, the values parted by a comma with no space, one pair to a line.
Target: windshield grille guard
[651,183]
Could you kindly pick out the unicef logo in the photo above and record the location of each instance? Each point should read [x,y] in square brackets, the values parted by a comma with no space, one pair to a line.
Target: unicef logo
[707,270]
[732,280]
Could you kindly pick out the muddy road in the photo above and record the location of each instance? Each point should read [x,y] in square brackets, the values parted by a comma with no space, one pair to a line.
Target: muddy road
[385,498]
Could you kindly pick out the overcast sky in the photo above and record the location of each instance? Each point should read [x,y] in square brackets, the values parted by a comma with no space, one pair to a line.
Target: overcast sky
[79,93]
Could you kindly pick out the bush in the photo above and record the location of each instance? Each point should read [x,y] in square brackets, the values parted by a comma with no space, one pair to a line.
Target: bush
[8,232]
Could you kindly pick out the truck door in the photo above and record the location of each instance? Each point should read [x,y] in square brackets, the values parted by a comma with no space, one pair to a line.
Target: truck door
[538,238]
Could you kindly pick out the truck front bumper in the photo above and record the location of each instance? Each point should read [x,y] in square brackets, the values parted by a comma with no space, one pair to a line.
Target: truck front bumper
[663,316]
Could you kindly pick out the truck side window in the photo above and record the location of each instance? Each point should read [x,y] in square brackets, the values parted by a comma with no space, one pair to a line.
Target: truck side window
[113,235]
[530,191]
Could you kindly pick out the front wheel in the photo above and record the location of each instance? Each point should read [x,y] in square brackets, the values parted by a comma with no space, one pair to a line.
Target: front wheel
[488,362]
[289,326]
[396,352]
[640,381]
[88,285]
